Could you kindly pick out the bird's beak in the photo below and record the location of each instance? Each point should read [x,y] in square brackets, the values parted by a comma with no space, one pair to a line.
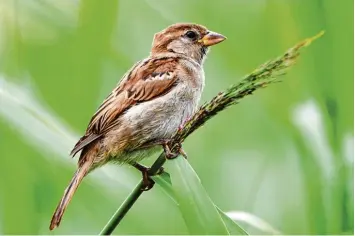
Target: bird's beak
[212,38]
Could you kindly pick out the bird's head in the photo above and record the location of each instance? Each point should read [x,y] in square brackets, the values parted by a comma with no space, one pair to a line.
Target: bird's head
[191,40]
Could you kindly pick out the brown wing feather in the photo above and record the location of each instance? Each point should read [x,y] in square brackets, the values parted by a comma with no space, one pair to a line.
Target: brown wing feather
[146,80]
[84,141]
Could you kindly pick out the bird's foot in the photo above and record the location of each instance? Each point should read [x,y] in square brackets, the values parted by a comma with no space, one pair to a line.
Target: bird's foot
[169,154]
[148,183]
[172,155]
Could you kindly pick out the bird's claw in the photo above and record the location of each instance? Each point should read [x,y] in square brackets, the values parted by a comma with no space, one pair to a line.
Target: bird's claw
[148,183]
[182,152]
[172,155]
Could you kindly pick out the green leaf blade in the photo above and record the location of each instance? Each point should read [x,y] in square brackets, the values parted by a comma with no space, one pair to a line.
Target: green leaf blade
[164,182]
[233,227]
[197,209]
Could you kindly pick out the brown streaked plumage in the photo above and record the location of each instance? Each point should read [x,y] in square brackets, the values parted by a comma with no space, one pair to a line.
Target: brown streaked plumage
[141,84]
[151,101]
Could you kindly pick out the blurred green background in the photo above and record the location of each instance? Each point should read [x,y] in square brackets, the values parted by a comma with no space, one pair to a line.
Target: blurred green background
[284,155]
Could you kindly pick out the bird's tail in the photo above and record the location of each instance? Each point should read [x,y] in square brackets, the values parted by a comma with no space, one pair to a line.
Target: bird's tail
[69,192]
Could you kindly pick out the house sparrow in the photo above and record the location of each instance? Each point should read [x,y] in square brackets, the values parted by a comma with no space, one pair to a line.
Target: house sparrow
[153,99]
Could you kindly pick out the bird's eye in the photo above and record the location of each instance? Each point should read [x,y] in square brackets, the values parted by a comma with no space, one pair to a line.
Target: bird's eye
[191,34]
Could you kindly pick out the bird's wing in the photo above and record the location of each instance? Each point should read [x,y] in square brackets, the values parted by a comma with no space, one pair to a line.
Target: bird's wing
[147,80]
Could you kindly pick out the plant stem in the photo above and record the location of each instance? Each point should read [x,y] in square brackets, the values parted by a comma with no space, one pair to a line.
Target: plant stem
[122,210]
[157,164]
[131,199]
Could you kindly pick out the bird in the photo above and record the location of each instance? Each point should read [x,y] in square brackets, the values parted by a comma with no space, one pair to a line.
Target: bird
[148,105]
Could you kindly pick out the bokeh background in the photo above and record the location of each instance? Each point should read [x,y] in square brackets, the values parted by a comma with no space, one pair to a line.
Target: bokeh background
[284,155]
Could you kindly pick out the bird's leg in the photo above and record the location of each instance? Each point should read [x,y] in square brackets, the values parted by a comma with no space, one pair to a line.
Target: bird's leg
[148,183]
[140,167]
